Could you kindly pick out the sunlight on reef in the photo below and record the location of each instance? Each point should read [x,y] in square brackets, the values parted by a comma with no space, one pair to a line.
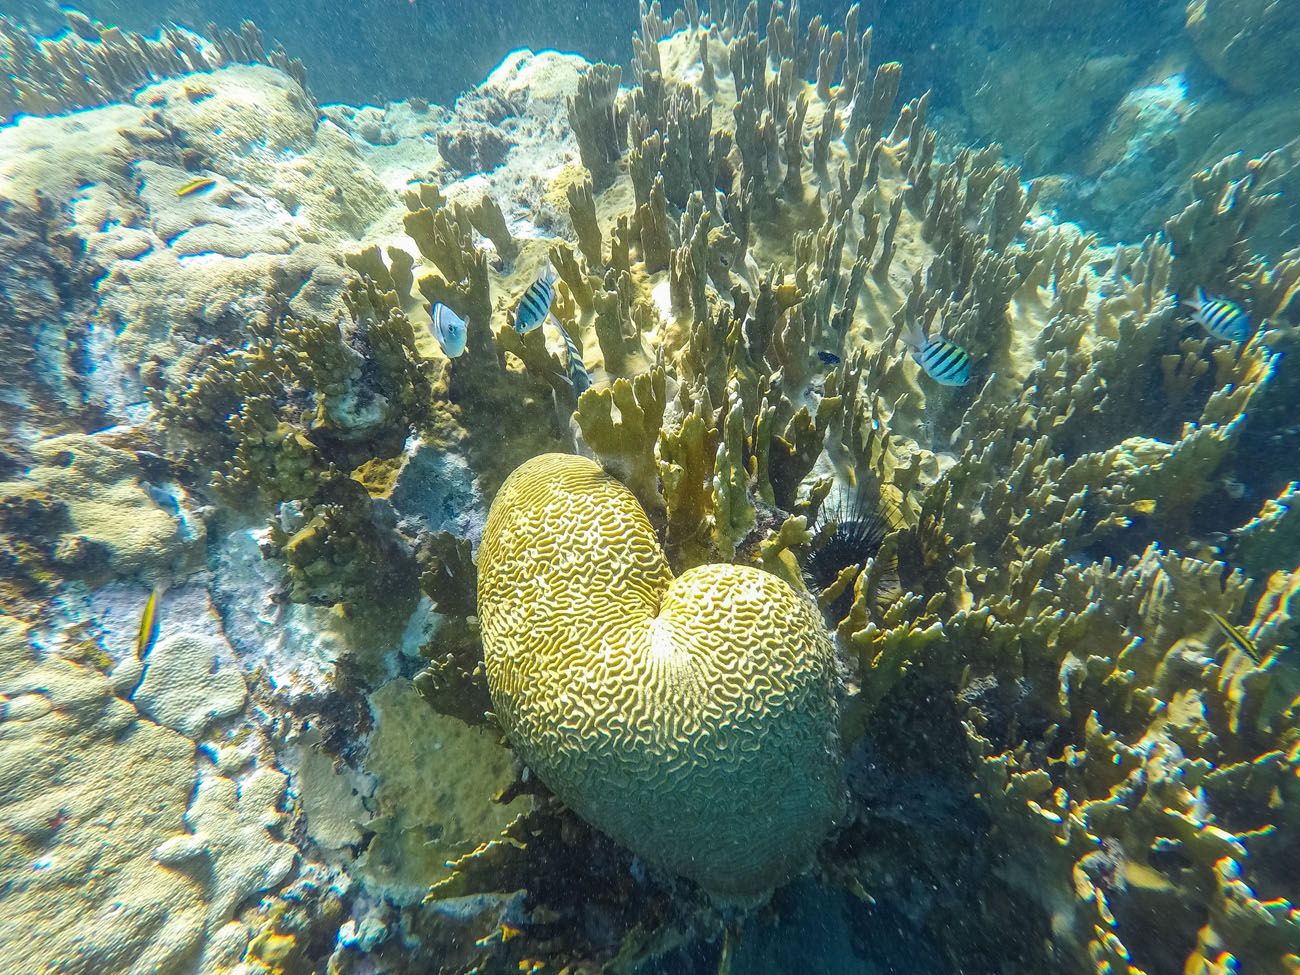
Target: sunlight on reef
[1025,745]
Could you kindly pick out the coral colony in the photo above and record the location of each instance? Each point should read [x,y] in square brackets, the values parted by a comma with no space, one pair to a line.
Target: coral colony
[859,534]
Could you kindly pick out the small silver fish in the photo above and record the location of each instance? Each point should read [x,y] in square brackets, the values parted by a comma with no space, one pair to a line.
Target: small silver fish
[535,305]
[449,329]
[1223,319]
[947,363]
[577,377]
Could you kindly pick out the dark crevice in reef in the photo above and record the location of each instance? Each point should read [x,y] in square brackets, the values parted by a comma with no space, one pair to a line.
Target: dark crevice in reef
[927,852]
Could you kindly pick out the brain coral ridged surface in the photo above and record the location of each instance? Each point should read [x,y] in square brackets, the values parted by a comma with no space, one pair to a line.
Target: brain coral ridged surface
[693,719]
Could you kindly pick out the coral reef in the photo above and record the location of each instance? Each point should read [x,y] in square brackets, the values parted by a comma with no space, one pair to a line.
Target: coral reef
[1001,721]
[423,52]
[1098,472]
[92,64]
[242,418]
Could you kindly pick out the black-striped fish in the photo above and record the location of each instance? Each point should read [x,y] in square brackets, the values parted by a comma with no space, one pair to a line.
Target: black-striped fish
[947,363]
[830,358]
[577,377]
[1235,636]
[535,305]
[449,329]
[1223,319]
[144,640]
[199,185]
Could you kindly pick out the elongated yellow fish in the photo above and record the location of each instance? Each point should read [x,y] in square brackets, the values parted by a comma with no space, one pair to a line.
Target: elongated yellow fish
[1234,634]
[148,626]
[200,185]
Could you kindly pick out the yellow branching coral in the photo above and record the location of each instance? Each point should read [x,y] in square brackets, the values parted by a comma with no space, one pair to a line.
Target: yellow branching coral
[94,64]
[685,454]
[733,510]
[693,719]
[626,444]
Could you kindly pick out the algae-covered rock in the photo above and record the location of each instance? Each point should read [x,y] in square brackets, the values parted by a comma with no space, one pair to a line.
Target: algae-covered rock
[257,127]
[433,802]
[113,527]
[1250,44]
[100,815]
[331,801]
[1075,88]
[234,843]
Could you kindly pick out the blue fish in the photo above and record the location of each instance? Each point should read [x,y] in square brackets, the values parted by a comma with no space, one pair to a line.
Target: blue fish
[449,329]
[535,305]
[1223,319]
[577,377]
[947,363]
[830,358]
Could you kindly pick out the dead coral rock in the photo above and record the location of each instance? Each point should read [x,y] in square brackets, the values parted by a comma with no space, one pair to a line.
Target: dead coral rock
[68,744]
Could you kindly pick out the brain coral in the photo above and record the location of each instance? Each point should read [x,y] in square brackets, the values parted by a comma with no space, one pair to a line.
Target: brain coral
[694,719]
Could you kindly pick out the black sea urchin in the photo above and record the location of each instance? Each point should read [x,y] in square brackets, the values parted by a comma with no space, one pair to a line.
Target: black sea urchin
[847,534]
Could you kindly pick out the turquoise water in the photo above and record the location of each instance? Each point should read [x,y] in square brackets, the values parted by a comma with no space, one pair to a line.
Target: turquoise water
[792,488]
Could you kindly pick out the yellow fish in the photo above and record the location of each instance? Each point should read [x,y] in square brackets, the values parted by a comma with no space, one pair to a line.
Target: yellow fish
[1234,634]
[500,936]
[148,626]
[199,185]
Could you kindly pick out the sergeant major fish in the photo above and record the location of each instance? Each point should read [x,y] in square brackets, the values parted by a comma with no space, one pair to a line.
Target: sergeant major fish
[449,329]
[947,363]
[577,377]
[1223,319]
[535,305]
